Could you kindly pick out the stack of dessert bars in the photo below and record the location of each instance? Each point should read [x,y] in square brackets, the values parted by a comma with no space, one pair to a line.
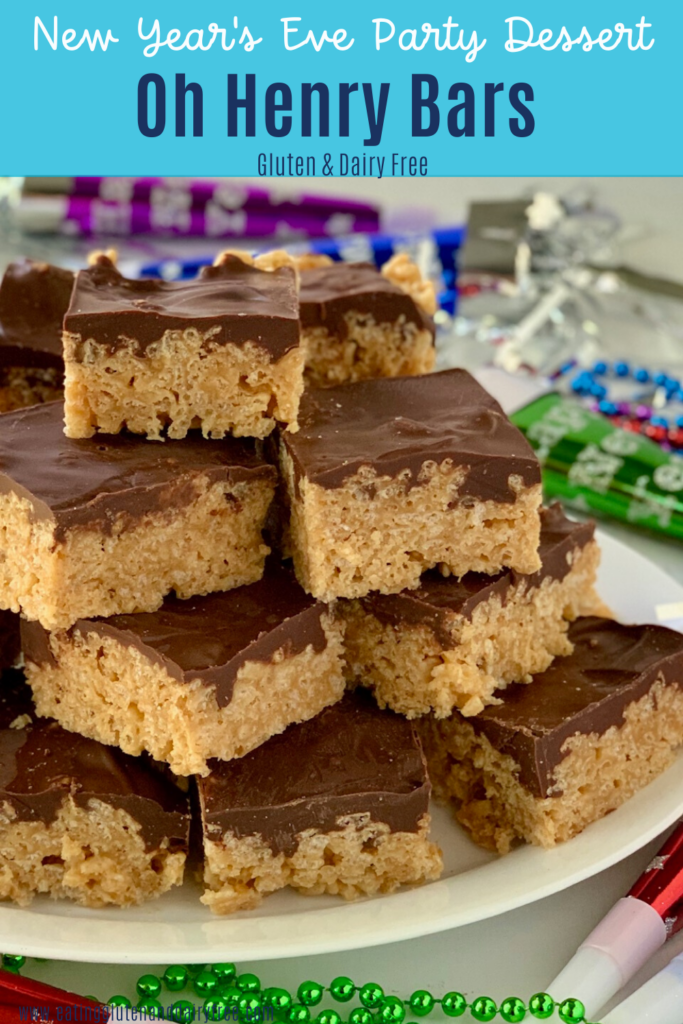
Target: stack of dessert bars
[262,567]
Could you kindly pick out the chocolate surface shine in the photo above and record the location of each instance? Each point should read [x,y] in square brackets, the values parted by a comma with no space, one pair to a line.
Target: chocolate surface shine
[327,294]
[439,598]
[238,302]
[42,765]
[352,758]
[89,483]
[586,692]
[210,638]
[395,425]
[34,298]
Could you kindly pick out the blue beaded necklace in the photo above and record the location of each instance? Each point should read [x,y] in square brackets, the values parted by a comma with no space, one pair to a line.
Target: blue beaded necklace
[642,412]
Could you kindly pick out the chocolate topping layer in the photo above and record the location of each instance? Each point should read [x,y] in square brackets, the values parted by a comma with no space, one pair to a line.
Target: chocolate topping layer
[91,483]
[327,293]
[238,303]
[34,298]
[41,765]
[587,692]
[439,600]
[351,759]
[210,638]
[397,424]
[10,644]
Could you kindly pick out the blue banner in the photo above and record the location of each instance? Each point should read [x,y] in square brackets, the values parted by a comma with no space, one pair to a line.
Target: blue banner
[357,89]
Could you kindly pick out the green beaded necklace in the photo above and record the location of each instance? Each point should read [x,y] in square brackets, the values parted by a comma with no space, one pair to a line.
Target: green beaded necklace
[228,995]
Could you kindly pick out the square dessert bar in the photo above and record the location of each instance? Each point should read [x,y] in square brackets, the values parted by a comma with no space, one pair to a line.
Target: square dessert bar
[359,322]
[81,820]
[574,745]
[337,805]
[208,677]
[221,352]
[34,298]
[453,642]
[388,478]
[112,525]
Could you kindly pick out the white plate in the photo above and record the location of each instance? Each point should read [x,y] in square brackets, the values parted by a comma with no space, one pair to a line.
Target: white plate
[475,884]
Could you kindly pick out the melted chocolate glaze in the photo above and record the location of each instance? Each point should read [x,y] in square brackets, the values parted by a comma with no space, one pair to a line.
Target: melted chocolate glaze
[328,293]
[397,424]
[41,765]
[10,643]
[240,302]
[209,638]
[34,298]
[92,483]
[351,759]
[587,692]
[439,600]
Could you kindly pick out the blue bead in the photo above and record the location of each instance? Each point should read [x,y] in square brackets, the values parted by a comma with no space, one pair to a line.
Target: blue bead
[622,369]
[600,368]
[659,421]
[579,386]
[673,385]
[641,375]
[598,390]
[607,408]
[660,379]
[679,422]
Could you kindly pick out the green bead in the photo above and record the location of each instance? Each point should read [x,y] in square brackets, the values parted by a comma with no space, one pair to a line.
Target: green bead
[512,1010]
[310,993]
[371,995]
[250,1006]
[182,1011]
[120,1001]
[10,961]
[206,984]
[541,1005]
[392,1010]
[10,970]
[342,989]
[360,1016]
[421,1002]
[230,993]
[148,986]
[454,1004]
[298,1014]
[226,972]
[572,1011]
[175,977]
[328,1017]
[151,1007]
[215,1008]
[483,1008]
[278,998]
[249,983]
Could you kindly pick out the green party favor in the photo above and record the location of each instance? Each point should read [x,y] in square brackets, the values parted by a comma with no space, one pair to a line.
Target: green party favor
[594,466]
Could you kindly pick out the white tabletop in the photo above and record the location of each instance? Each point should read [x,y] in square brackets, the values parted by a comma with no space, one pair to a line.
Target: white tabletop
[519,952]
